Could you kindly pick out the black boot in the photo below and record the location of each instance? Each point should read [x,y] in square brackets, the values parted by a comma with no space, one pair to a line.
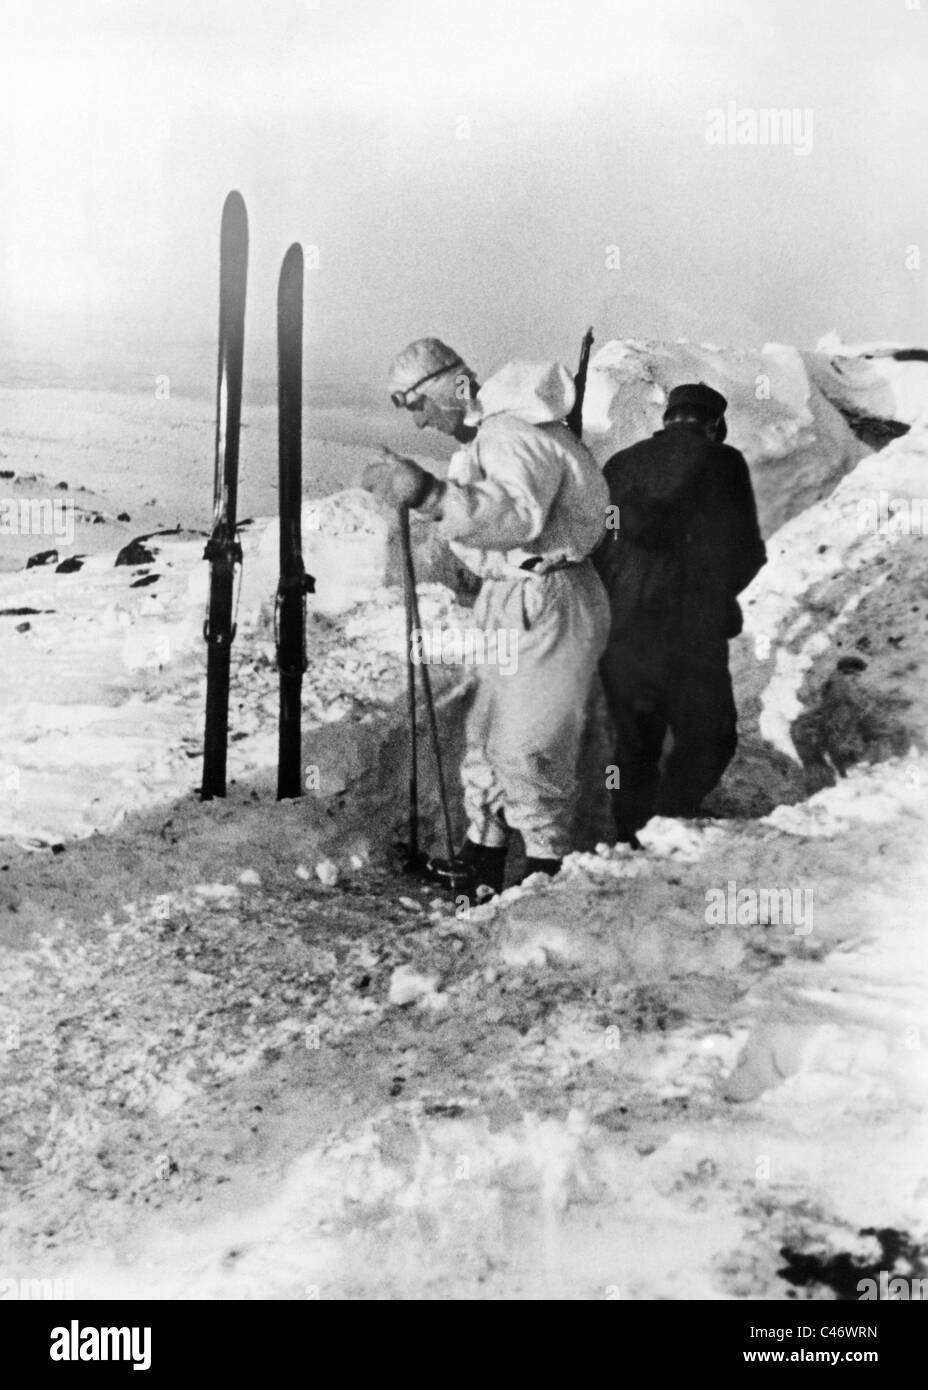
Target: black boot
[542,866]
[474,866]
[629,838]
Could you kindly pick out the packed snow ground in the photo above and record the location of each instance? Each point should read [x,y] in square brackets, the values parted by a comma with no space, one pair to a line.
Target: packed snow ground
[584,1091]
[240,1061]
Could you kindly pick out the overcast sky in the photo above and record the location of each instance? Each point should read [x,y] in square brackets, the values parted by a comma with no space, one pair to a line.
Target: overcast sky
[463,167]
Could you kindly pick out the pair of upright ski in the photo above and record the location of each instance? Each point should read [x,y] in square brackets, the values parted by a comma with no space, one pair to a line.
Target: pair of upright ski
[223,549]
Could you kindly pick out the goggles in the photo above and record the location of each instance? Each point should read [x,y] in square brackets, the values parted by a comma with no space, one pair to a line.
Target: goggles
[401,398]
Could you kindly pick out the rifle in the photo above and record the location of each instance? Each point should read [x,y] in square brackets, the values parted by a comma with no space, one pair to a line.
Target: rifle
[575,418]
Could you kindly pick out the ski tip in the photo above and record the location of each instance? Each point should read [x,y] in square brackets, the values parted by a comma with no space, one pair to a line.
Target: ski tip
[293,260]
[233,209]
[290,285]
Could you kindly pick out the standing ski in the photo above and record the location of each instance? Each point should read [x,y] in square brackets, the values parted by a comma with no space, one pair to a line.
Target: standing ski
[294,583]
[223,550]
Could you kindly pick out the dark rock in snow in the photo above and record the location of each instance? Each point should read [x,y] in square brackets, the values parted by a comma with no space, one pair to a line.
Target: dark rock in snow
[71,565]
[135,553]
[874,431]
[43,557]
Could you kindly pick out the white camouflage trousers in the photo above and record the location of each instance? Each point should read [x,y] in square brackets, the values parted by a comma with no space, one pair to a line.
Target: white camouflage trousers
[525,726]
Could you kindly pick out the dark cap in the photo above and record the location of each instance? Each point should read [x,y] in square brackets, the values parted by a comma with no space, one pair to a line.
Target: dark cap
[698,397]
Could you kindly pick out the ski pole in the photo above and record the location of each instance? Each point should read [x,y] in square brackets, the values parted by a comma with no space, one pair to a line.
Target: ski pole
[413,847]
[413,619]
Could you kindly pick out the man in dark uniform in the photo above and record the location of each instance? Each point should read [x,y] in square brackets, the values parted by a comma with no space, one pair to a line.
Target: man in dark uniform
[683,544]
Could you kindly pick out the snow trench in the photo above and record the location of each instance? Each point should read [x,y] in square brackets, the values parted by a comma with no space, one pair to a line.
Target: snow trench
[586,1089]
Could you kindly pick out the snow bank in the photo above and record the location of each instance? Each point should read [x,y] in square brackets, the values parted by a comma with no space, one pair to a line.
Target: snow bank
[103,686]
[832,540]
[796,443]
[344,547]
[870,380]
[829,669]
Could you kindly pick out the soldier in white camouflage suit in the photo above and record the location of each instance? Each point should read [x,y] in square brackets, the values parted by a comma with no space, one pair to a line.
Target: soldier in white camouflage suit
[523,507]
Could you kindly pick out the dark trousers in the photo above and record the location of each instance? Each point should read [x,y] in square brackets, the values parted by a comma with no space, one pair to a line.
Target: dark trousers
[653,687]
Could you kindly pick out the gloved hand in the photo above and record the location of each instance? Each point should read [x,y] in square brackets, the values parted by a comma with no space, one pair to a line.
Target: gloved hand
[398,481]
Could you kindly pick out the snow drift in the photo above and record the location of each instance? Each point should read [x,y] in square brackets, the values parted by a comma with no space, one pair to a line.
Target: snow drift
[877,381]
[797,444]
[830,668]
